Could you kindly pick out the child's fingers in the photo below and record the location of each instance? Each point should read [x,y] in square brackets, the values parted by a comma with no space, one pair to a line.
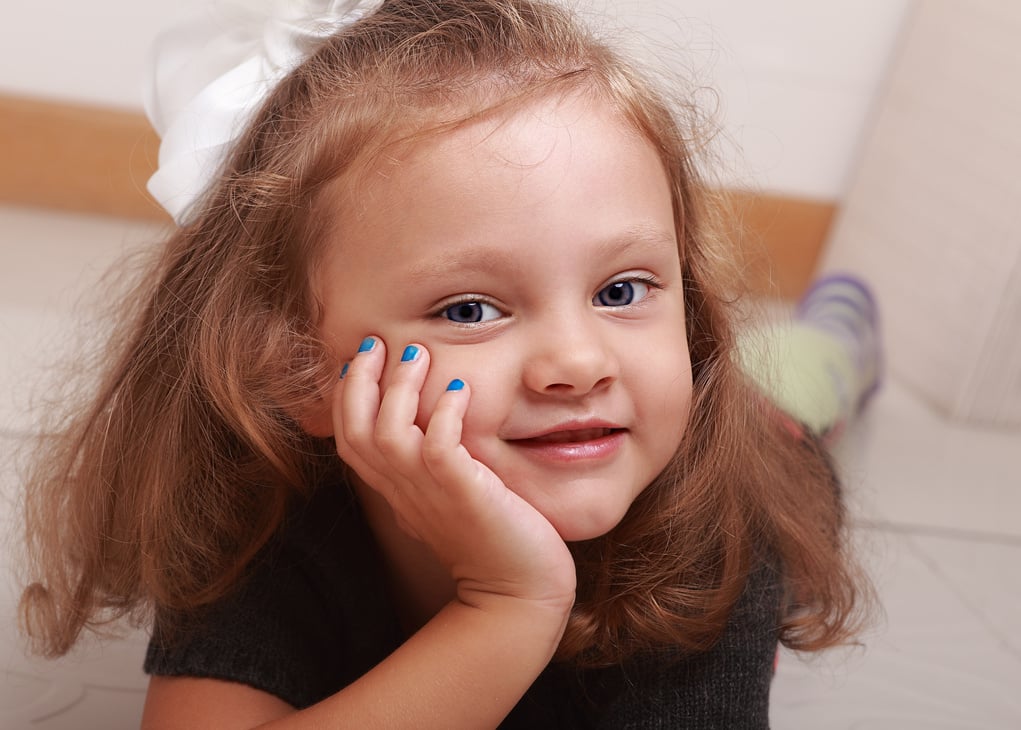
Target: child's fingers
[357,397]
[442,452]
[397,436]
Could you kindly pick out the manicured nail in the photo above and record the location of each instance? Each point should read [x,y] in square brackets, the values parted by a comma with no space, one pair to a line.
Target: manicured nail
[456,384]
[367,344]
[410,353]
[343,370]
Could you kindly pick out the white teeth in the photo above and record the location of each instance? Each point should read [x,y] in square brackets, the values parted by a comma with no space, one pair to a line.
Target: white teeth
[563,437]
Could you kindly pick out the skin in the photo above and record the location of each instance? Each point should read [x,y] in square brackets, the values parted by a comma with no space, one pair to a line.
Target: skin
[553,226]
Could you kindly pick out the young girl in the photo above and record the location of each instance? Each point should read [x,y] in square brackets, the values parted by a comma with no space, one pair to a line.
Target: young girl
[557,503]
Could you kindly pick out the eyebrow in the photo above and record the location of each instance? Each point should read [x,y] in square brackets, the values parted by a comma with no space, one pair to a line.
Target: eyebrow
[645,236]
[468,259]
[482,258]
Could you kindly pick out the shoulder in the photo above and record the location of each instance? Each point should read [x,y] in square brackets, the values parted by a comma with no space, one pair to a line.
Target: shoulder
[726,686]
[311,616]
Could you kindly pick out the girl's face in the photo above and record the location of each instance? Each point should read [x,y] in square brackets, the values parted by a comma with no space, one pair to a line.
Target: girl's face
[535,256]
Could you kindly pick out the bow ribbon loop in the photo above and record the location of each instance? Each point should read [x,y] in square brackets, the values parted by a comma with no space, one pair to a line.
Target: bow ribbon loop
[210,75]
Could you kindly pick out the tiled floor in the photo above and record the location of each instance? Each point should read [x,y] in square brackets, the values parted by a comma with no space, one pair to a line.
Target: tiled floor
[937,511]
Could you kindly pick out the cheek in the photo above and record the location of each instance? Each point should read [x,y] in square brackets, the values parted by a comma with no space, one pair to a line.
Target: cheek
[431,393]
[475,366]
[481,422]
[667,395]
[436,383]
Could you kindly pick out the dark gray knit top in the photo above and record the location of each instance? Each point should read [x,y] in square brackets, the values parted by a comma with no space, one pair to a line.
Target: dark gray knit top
[315,615]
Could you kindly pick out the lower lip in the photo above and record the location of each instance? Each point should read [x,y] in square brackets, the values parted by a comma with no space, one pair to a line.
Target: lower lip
[569,452]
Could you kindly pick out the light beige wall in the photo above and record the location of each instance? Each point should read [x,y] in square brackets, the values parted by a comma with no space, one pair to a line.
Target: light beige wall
[796,78]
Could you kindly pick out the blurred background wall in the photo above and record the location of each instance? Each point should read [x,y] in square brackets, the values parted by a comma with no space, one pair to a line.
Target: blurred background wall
[796,78]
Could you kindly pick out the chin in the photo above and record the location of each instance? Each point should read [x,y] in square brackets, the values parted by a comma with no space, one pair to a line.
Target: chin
[571,529]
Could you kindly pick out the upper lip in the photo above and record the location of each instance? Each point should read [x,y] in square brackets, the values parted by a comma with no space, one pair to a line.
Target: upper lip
[585,429]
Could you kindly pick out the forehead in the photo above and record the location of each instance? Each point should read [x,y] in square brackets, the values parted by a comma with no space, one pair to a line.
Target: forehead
[558,167]
[510,134]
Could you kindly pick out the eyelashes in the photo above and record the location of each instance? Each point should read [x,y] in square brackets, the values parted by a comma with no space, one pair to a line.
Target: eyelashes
[626,292]
[473,309]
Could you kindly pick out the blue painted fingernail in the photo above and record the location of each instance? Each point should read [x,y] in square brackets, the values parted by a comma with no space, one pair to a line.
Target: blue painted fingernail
[456,384]
[367,344]
[409,354]
[343,370]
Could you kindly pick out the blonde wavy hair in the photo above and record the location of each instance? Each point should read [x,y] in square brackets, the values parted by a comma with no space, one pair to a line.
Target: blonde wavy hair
[173,473]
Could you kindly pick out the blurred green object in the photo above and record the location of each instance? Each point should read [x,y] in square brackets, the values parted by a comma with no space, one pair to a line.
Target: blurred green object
[821,365]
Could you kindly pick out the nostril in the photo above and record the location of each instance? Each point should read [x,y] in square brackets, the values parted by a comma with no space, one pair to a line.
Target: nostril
[578,387]
[557,387]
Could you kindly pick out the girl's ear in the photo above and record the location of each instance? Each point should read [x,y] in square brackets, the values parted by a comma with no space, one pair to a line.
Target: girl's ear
[314,413]
[313,409]
[316,418]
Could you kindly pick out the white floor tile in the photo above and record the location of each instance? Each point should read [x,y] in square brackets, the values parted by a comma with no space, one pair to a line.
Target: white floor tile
[985,577]
[48,287]
[906,464]
[931,663]
[99,685]
[72,694]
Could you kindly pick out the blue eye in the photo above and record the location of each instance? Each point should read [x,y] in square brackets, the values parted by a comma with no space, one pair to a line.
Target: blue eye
[621,293]
[471,312]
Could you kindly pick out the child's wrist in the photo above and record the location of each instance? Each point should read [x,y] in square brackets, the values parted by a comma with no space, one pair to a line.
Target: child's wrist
[550,611]
[534,627]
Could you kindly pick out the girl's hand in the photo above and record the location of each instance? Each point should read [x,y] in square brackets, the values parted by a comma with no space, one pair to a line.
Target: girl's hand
[494,543]
[469,664]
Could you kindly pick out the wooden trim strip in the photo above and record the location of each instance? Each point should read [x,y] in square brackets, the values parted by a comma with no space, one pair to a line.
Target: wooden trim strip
[781,238]
[77,158]
[97,160]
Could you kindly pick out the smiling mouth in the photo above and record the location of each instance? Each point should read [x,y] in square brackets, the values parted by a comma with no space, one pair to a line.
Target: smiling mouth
[572,437]
[574,447]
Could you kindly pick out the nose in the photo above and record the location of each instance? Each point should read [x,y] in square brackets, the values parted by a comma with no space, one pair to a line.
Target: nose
[570,357]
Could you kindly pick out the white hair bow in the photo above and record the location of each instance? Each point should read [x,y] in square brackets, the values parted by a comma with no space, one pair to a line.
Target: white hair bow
[210,75]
